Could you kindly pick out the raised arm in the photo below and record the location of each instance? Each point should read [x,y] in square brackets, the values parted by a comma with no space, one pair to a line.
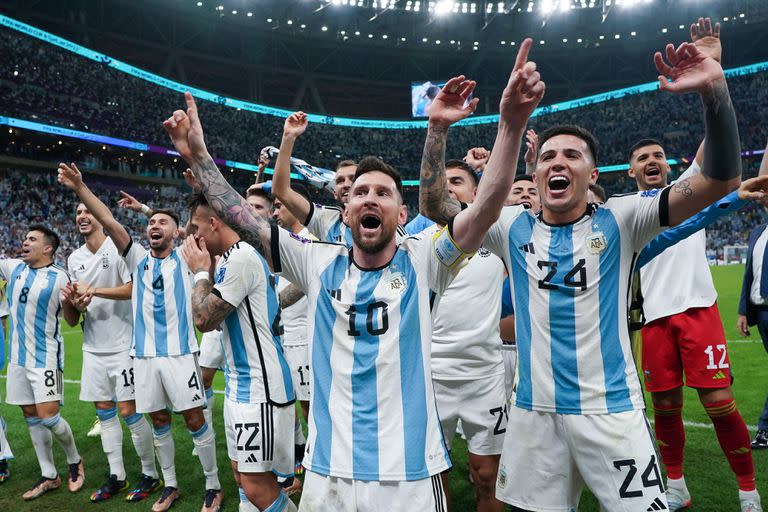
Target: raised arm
[186,133]
[129,202]
[297,204]
[521,96]
[72,178]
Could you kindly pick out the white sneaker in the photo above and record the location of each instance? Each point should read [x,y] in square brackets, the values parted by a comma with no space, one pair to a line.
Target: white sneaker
[678,499]
[750,502]
[95,429]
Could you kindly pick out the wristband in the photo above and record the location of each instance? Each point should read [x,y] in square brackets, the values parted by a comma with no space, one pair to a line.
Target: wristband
[144,209]
[202,275]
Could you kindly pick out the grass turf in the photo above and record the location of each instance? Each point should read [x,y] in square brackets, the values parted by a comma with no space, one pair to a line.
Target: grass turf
[709,477]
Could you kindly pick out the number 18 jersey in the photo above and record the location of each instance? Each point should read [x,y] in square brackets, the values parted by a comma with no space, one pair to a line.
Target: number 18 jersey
[570,286]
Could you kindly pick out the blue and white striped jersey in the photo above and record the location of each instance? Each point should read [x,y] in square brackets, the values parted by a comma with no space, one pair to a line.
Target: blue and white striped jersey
[256,370]
[570,287]
[34,300]
[326,224]
[373,414]
[161,300]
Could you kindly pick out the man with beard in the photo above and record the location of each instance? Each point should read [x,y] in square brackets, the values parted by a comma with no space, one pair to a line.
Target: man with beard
[163,344]
[374,430]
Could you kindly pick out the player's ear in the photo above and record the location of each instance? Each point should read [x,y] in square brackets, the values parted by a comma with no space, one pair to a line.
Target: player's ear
[402,215]
[631,172]
[344,213]
[593,177]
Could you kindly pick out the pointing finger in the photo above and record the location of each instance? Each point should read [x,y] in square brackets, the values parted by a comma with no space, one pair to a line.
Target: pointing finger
[522,53]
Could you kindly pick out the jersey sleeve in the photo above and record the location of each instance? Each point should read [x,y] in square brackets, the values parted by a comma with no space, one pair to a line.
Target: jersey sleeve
[692,170]
[435,256]
[7,266]
[643,216]
[234,279]
[70,268]
[299,259]
[497,238]
[321,219]
[133,255]
[123,271]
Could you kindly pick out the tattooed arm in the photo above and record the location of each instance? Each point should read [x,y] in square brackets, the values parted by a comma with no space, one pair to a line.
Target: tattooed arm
[290,295]
[694,71]
[208,308]
[186,133]
[434,201]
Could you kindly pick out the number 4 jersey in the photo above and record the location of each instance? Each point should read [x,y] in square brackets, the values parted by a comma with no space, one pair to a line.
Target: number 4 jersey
[570,286]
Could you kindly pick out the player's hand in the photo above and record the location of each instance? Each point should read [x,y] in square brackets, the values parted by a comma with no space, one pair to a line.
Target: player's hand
[741,325]
[689,68]
[191,180]
[129,202]
[83,297]
[186,132]
[477,158]
[450,105]
[707,39]
[263,158]
[295,125]
[524,90]
[532,145]
[70,176]
[68,293]
[755,189]
[196,254]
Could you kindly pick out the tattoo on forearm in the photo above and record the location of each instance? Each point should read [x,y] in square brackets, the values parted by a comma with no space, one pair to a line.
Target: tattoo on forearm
[434,201]
[683,188]
[722,150]
[232,207]
[208,309]
[290,295]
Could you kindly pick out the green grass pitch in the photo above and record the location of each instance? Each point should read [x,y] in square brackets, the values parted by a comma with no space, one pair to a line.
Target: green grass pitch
[709,477]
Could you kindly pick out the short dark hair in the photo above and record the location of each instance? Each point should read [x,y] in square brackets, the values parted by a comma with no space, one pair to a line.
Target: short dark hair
[570,129]
[523,177]
[374,163]
[51,237]
[196,200]
[642,143]
[598,191]
[170,213]
[259,192]
[464,166]
[345,163]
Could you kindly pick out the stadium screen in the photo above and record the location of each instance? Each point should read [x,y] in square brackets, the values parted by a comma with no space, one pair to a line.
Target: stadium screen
[422,94]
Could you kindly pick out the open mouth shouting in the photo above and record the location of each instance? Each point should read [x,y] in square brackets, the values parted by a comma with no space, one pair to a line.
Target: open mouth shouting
[370,224]
[155,236]
[84,225]
[652,172]
[558,184]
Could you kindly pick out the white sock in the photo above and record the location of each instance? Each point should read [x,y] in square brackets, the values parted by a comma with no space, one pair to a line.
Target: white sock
[282,504]
[678,484]
[205,442]
[298,432]
[166,454]
[208,411]
[5,448]
[63,434]
[748,495]
[141,435]
[42,440]
[112,441]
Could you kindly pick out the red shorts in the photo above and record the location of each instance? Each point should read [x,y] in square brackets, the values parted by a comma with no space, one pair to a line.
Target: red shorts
[691,342]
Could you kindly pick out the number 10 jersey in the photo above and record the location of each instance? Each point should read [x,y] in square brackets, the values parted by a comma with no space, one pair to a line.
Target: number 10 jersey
[570,287]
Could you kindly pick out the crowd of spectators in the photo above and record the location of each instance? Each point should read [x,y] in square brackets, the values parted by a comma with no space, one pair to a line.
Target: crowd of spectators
[50,84]
[42,82]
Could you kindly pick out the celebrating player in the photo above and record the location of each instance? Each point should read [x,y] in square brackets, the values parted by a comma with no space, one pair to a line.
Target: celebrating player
[578,415]
[374,433]
[35,287]
[163,344]
[107,374]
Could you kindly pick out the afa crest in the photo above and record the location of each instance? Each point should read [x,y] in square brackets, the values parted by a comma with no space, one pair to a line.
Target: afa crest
[596,242]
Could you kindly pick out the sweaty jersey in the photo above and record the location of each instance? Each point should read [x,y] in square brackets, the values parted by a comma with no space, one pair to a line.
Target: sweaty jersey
[161,301]
[465,342]
[570,290]
[373,414]
[256,370]
[107,323]
[34,301]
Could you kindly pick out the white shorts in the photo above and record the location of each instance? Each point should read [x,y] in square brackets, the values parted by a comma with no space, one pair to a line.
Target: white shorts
[549,457]
[297,357]
[481,406]
[171,382]
[211,351]
[107,377]
[28,386]
[332,494]
[260,437]
[509,354]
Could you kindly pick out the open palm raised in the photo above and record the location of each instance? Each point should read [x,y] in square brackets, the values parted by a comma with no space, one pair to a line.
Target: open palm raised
[689,69]
[451,105]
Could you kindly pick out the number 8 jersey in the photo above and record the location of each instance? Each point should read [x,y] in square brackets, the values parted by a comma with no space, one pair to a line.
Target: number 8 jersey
[570,286]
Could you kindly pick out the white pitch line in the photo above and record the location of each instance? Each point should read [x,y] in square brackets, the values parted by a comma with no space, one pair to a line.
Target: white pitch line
[694,424]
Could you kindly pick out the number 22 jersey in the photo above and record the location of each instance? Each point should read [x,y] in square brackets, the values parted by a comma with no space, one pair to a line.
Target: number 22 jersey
[570,286]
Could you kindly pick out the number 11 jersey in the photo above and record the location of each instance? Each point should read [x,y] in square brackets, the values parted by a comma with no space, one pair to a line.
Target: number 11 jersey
[570,286]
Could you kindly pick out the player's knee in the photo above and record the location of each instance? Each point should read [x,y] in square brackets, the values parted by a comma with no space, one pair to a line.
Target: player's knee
[194,419]
[160,419]
[667,399]
[710,396]
[127,409]
[484,475]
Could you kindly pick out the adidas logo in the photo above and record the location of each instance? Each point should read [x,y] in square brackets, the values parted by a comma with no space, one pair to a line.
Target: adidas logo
[196,397]
[51,393]
[657,505]
[252,459]
[719,375]
[527,248]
